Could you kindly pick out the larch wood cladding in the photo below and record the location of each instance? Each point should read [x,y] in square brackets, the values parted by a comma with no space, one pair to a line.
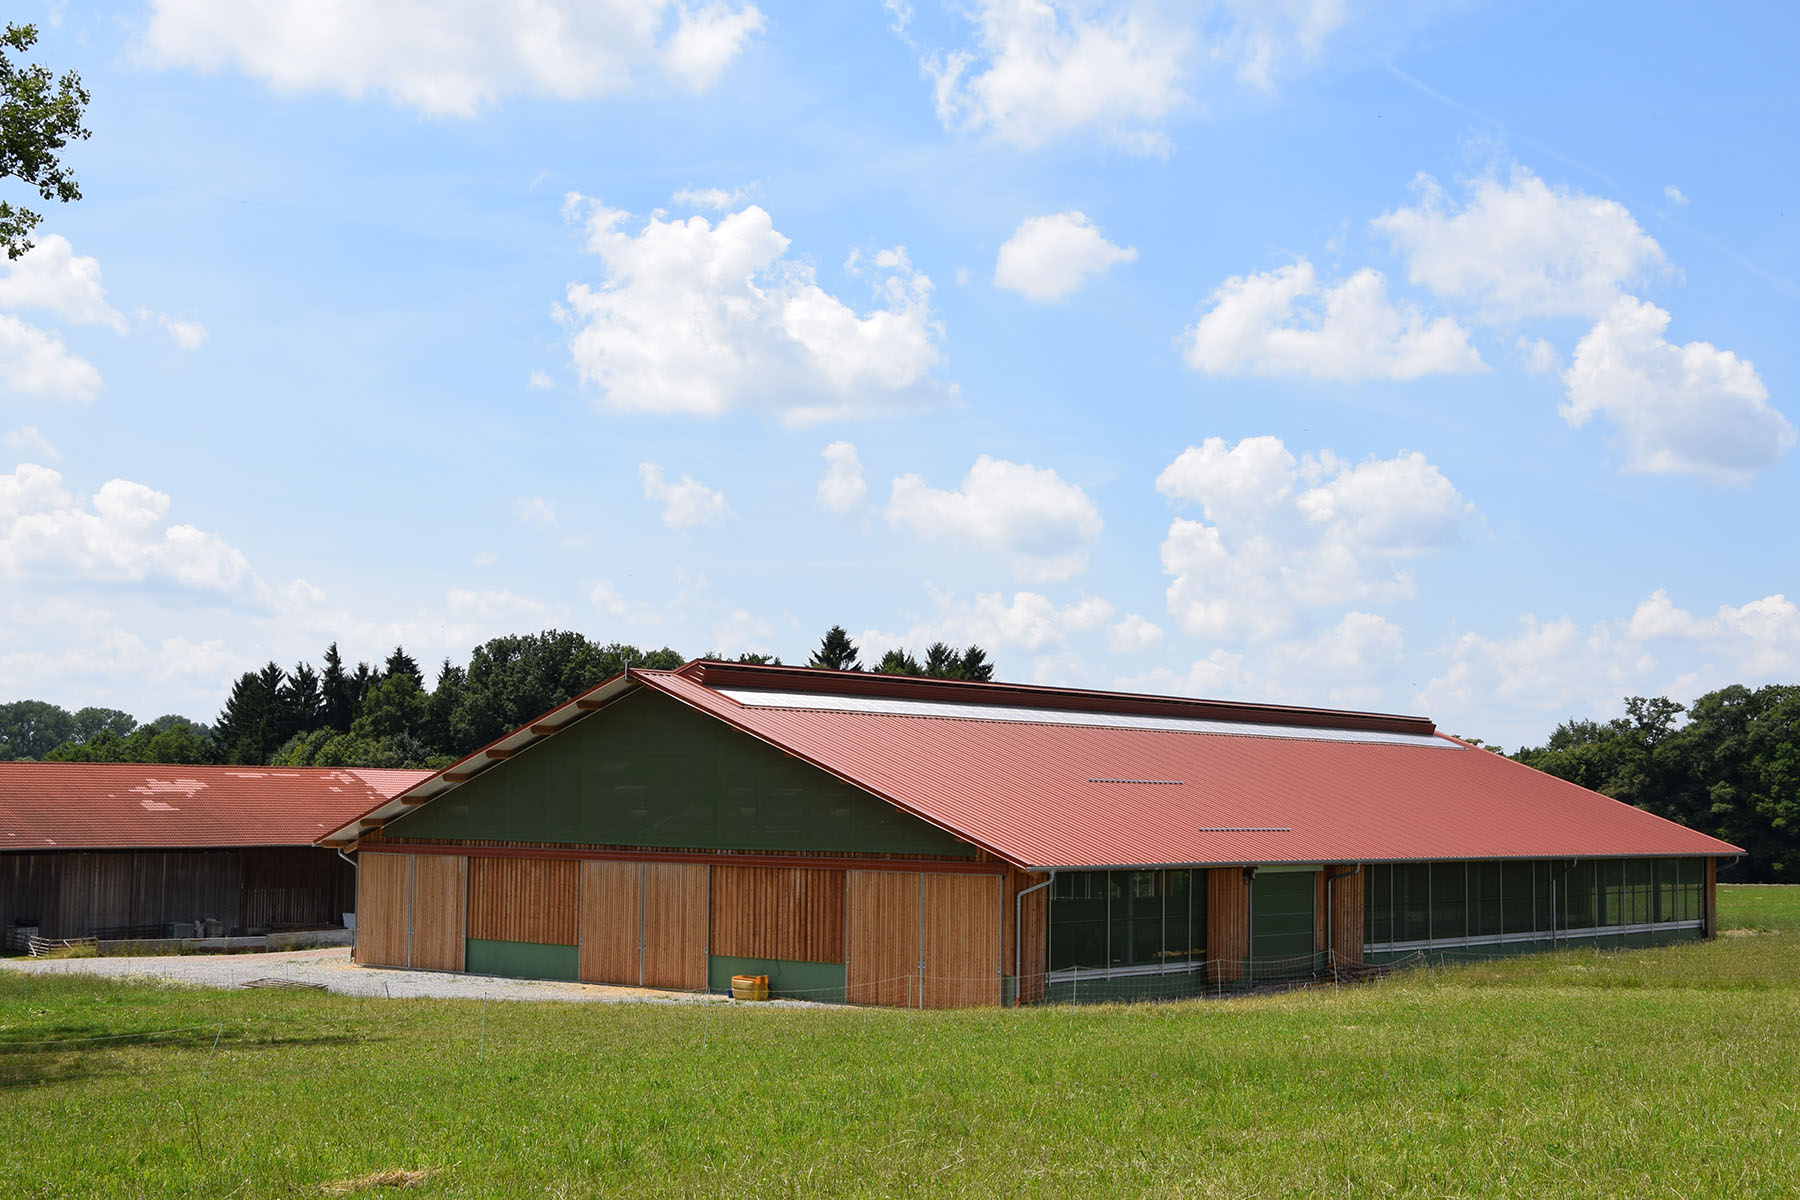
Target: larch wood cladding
[1321,910]
[675,925]
[1227,922]
[795,913]
[1346,912]
[1032,934]
[610,922]
[960,941]
[523,900]
[883,937]
[384,896]
[440,905]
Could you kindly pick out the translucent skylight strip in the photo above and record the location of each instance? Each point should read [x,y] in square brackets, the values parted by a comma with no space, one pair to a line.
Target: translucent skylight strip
[896,707]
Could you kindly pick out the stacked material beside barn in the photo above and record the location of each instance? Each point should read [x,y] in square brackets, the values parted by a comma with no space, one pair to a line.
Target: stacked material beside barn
[894,840]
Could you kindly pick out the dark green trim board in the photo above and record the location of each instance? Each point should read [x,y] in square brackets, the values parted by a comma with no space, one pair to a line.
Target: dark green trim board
[649,771]
[797,980]
[521,960]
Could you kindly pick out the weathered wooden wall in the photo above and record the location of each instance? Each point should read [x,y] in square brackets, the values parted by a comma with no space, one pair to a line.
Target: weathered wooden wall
[794,913]
[960,941]
[883,941]
[1034,934]
[675,925]
[610,922]
[1346,912]
[523,900]
[1227,922]
[384,910]
[440,905]
[70,893]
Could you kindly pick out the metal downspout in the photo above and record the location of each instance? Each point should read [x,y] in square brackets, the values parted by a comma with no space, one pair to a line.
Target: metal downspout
[1019,934]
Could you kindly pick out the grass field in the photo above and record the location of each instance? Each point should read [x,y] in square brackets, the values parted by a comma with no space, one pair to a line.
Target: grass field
[1671,1072]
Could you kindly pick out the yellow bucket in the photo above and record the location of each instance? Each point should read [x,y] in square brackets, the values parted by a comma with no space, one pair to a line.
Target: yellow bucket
[749,987]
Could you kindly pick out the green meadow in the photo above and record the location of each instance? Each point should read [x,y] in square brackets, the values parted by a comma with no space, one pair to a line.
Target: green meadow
[1669,1072]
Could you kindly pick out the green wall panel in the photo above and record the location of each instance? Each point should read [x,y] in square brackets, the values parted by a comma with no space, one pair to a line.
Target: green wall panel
[794,980]
[650,771]
[1281,915]
[521,960]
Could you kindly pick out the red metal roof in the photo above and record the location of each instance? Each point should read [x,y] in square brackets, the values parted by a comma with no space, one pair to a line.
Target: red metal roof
[1052,794]
[93,806]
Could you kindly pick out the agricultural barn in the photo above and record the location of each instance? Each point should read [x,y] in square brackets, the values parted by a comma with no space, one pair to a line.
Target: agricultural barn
[129,849]
[892,840]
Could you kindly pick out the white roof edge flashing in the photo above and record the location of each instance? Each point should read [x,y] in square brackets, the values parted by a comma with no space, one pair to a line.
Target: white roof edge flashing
[950,710]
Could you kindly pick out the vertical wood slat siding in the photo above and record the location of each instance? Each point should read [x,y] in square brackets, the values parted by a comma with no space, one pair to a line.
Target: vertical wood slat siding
[383,909]
[609,922]
[795,913]
[1227,922]
[1030,956]
[1347,915]
[675,925]
[440,903]
[523,900]
[960,941]
[883,937]
[1321,910]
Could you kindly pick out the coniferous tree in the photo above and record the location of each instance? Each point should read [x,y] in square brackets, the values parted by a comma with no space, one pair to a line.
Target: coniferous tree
[975,665]
[361,680]
[334,692]
[836,652]
[444,698]
[942,661]
[301,700]
[252,727]
[402,663]
[898,662]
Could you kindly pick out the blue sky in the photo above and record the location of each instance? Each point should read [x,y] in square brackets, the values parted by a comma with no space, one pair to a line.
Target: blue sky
[1432,358]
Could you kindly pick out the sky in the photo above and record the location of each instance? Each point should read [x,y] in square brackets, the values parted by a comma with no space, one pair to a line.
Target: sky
[1431,358]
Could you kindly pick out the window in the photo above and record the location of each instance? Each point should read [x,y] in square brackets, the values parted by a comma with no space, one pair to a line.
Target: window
[1484,899]
[1378,898]
[1449,900]
[1126,919]
[1612,891]
[1412,902]
[1581,895]
[1639,891]
[1516,897]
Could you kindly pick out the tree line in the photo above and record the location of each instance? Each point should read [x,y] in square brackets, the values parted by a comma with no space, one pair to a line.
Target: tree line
[384,715]
[1730,769]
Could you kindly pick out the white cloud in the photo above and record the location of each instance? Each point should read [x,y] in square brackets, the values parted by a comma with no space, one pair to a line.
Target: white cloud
[484,558]
[699,318]
[1674,193]
[1547,668]
[842,487]
[51,277]
[685,504]
[534,510]
[607,600]
[1027,621]
[1047,258]
[27,440]
[189,335]
[1691,409]
[454,57]
[1038,70]
[1285,322]
[1540,356]
[716,199]
[1522,249]
[1044,524]
[1759,640]
[540,380]
[117,535]
[743,632]
[1287,536]
[38,364]
[1135,634]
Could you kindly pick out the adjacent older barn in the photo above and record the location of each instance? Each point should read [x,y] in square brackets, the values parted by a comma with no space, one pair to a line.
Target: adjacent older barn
[903,841]
[129,849]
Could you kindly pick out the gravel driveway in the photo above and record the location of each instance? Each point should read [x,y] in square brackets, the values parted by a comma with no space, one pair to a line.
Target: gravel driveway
[333,968]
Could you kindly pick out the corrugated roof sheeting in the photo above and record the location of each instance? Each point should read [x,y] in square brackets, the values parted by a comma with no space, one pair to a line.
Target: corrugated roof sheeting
[1025,791]
[95,806]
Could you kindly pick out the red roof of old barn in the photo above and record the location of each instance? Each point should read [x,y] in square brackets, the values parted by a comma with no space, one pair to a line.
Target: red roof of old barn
[94,806]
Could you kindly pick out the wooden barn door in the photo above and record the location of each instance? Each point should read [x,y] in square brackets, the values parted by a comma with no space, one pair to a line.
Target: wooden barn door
[675,920]
[611,916]
[440,908]
[959,941]
[883,937]
[383,909]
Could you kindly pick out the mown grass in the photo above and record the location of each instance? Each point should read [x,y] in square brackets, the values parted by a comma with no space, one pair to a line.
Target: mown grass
[1672,1072]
